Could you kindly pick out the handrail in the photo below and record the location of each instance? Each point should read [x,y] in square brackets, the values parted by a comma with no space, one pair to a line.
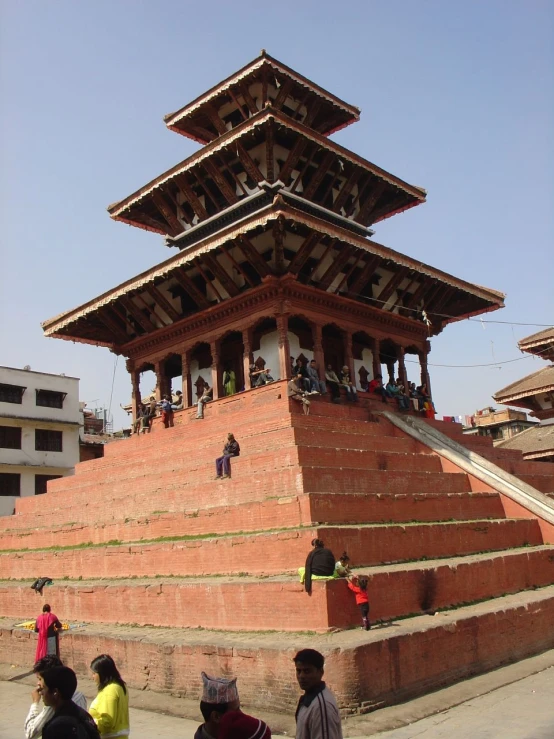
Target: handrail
[480,467]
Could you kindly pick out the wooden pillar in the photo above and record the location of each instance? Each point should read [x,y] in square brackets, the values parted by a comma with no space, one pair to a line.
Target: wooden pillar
[135,388]
[423,355]
[214,350]
[348,359]
[186,388]
[284,348]
[319,357]
[376,357]
[159,372]
[400,353]
[247,357]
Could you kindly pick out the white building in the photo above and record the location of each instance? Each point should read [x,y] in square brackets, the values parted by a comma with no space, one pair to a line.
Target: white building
[39,432]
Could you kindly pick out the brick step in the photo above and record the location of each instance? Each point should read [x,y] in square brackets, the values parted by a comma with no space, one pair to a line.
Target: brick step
[265,553]
[405,658]
[283,453]
[522,467]
[175,491]
[270,470]
[301,510]
[544,483]
[175,448]
[395,591]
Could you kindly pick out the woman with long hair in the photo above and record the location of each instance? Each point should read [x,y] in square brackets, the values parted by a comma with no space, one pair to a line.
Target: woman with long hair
[110,708]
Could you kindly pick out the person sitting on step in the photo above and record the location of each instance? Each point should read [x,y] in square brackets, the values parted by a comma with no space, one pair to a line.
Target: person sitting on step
[301,369]
[320,565]
[294,392]
[334,384]
[316,385]
[376,387]
[206,397]
[223,463]
[348,385]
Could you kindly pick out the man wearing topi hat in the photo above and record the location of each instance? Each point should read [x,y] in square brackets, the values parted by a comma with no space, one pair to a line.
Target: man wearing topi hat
[220,706]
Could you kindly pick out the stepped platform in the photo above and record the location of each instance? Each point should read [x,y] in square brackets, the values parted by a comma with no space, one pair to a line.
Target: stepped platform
[173,572]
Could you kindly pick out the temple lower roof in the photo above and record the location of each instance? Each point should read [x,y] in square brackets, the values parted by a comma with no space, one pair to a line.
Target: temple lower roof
[538,382]
[534,443]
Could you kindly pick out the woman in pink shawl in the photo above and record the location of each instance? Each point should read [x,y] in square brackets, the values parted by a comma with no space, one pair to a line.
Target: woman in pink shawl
[47,626]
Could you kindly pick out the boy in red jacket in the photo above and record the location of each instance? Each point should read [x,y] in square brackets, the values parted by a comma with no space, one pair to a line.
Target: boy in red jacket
[358,585]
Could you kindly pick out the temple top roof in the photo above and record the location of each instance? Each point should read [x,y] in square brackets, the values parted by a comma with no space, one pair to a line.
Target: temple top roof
[264,81]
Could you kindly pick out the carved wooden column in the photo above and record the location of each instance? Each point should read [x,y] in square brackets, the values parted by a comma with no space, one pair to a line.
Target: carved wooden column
[376,351]
[402,374]
[247,357]
[423,355]
[214,350]
[284,348]
[186,388]
[135,391]
[319,356]
[348,359]
[159,372]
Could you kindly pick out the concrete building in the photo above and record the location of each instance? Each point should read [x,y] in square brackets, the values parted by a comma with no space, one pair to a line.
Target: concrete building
[500,425]
[39,432]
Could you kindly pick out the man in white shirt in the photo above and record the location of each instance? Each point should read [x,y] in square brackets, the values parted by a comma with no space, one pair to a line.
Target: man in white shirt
[40,714]
[317,715]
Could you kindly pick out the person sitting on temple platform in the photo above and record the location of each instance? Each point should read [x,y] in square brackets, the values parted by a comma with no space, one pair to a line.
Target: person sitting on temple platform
[342,565]
[395,389]
[316,384]
[167,411]
[229,381]
[177,404]
[138,420]
[294,392]
[334,384]
[223,463]
[302,370]
[376,387]
[258,378]
[206,397]
[348,385]
[320,565]
[149,416]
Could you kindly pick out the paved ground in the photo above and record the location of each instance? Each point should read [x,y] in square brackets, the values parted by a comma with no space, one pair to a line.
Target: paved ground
[515,702]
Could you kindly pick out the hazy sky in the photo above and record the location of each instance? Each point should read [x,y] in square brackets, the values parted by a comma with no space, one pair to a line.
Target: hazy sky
[456,97]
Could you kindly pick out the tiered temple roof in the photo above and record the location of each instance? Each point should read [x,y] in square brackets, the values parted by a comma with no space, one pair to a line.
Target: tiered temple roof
[270,198]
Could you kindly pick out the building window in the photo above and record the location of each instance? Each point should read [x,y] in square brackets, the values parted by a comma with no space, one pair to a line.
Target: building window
[11,393]
[10,484]
[40,482]
[50,398]
[48,441]
[10,437]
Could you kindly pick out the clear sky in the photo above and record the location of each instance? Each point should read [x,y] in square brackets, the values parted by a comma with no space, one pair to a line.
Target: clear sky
[457,97]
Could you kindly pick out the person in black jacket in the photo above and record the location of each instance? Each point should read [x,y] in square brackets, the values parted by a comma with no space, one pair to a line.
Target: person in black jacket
[320,565]
[57,687]
[223,463]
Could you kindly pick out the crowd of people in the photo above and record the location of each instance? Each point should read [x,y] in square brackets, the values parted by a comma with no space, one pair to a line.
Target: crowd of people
[306,380]
[59,709]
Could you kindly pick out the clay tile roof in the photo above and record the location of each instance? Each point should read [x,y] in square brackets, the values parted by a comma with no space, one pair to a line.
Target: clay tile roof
[541,381]
[541,337]
[538,440]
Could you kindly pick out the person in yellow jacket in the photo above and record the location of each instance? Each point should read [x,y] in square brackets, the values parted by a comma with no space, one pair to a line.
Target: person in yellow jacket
[110,708]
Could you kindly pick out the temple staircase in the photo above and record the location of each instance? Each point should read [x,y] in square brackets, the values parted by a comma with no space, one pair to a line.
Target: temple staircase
[173,572]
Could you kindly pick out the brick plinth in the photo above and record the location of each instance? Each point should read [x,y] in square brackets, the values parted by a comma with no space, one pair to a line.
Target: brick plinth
[404,660]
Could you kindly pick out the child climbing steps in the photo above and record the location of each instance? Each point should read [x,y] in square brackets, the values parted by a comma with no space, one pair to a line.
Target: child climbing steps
[358,585]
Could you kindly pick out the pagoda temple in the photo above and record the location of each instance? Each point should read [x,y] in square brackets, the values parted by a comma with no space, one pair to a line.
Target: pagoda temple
[270,225]
[535,393]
